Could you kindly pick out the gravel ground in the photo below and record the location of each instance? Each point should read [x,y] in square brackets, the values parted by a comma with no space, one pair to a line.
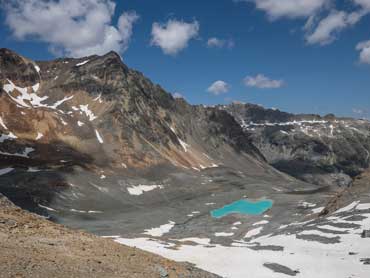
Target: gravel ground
[31,246]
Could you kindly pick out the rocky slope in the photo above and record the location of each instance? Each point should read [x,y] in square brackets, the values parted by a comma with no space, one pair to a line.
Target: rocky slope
[123,119]
[94,115]
[31,246]
[322,150]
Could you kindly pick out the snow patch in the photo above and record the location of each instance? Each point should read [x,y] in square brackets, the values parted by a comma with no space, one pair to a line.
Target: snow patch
[85,109]
[347,208]
[161,230]
[98,98]
[223,234]
[2,123]
[263,222]
[100,139]
[36,87]
[86,211]
[63,122]
[5,171]
[37,68]
[184,145]
[25,99]
[253,232]
[306,205]
[45,207]
[60,102]
[245,125]
[9,136]
[140,189]
[33,169]
[317,210]
[94,211]
[39,136]
[82,63]
[363,207]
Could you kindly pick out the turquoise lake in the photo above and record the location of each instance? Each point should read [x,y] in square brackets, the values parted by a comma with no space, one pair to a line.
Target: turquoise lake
[243,207]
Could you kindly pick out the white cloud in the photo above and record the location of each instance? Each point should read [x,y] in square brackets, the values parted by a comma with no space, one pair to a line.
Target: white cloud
[365,4]
[357,111]
[362,113]
[364,48]
[324,22]
[289,8]
[220,43]
[328,28]
[262,82]
[72,27]
[218,87]
[177,95]
[173,36]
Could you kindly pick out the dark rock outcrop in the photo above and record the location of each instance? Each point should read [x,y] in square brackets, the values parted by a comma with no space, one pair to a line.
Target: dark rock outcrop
[365,233]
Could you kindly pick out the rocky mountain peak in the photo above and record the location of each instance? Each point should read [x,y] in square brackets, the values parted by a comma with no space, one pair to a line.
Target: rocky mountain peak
[16,67]
[99,108]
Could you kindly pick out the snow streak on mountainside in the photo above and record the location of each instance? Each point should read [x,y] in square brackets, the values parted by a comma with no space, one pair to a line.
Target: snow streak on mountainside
[323,150]
[96,106]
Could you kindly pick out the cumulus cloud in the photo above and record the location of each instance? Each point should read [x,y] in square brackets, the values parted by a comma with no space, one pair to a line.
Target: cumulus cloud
[327,29]
[364,48]
[173,36]
[289,8]
[357,111]
[324,22]
[361,113]
[220,43]
[218,87]
[177,95]
[262,82]
[70,27]
[365,4]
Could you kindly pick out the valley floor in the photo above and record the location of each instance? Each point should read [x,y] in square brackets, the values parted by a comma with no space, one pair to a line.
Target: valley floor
[331,246]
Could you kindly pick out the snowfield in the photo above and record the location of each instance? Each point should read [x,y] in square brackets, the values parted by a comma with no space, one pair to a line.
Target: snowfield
[304,252]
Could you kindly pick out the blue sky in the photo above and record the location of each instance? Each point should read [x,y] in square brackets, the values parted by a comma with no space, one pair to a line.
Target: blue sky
[312,69]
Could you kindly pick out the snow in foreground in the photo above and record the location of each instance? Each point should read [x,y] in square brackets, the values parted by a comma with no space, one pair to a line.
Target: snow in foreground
[309,257]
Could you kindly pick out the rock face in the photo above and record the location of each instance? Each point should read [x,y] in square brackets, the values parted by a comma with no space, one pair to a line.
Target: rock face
[96,109]
[322,150]
[365,233]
